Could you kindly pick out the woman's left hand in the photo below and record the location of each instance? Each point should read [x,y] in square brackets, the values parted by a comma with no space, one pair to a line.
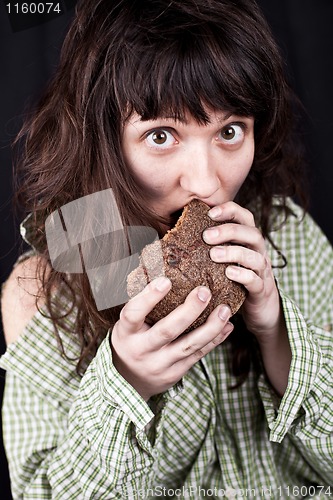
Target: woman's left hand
[239,241]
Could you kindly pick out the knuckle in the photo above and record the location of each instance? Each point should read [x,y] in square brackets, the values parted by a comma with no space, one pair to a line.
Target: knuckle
[131,314]
[231,207]
[258,235]
[251,278]
[243,255]
[232,230]
[199,354]
[190,348]
[137,356]
[250,217]
[218,339]
[155,371]
[268,262]
[164,331]
[125,315]
[262,262]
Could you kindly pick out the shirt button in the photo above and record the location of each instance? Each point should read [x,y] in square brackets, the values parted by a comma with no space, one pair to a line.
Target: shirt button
[230,492]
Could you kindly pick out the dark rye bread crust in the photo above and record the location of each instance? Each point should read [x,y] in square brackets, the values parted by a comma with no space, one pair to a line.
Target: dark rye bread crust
[183,256]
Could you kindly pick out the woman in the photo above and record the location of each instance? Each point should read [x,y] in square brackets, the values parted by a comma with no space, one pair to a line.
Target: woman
[164,102]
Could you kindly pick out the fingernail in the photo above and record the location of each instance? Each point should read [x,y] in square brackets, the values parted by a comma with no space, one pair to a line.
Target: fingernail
[214,212]
[203,294]
[161,283]
[210,234]
[224,313]
[218,252]
[232,272]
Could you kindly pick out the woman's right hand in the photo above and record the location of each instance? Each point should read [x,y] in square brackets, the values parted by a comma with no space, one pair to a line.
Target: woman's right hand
[153,358]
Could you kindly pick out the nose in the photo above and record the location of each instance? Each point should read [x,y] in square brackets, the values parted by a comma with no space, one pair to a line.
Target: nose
[199,176]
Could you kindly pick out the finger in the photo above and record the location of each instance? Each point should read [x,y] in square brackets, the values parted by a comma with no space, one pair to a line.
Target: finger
[185,364]
[232,212]
[236,233]
[133,314]
[240,255]
[251,281]
[212,332]
[169,328]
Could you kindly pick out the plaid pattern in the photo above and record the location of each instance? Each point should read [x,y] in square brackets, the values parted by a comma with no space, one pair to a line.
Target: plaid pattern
[93,437]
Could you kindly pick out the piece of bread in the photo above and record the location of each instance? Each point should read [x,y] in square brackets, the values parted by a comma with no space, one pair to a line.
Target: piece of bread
[183,256]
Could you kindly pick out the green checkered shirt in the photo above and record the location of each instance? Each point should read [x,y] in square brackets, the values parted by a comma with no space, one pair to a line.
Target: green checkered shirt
[93,437]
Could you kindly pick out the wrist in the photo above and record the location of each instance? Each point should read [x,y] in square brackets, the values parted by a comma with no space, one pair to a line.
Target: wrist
[274,330]
[276,355]
[273,336]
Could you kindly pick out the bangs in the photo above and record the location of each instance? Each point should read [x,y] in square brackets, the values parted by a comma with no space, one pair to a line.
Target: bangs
[191,72]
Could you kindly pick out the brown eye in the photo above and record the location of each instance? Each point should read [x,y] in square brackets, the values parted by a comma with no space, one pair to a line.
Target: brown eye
[159,137]
[228,133]
[233,134]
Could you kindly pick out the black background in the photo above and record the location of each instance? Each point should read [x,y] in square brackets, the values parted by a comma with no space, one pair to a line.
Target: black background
[29,48]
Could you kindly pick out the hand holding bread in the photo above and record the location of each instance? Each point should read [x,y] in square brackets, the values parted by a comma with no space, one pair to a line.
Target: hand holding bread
[193,289]
[183,256]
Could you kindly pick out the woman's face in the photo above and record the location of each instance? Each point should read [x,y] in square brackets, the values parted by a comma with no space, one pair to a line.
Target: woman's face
[177,161]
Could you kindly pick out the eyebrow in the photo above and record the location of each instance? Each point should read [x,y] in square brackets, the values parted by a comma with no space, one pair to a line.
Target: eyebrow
[159,118]
[225,117]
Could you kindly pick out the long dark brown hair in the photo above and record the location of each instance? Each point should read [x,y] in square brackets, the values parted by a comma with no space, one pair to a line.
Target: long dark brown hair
[157,58]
